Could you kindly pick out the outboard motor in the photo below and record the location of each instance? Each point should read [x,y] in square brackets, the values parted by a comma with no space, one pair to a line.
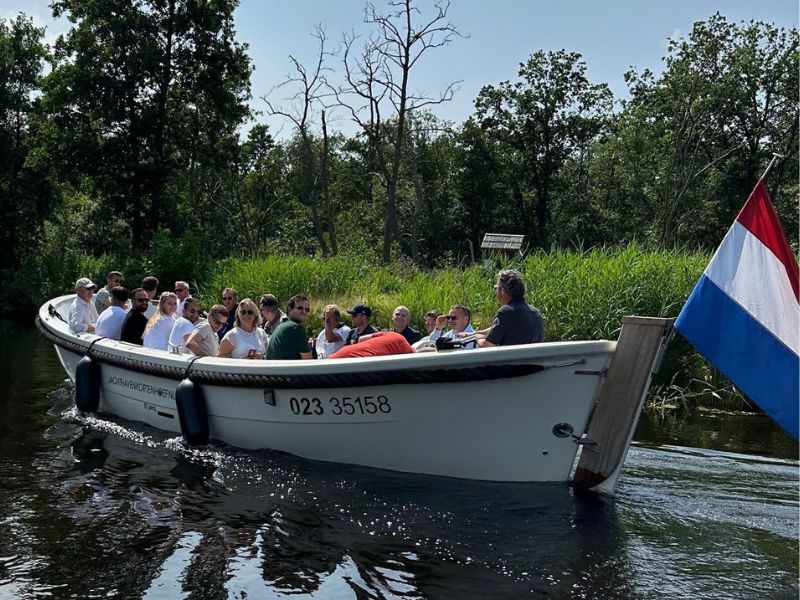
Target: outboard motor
[87,385]
[191,405]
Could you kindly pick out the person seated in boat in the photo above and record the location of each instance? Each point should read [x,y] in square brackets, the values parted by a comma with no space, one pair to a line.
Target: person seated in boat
[380,343]
[516,322]
[290,340]
[246,339]
[109,323]
[182,291]
[459,318]
[271,313]
[360,314]
[401,317]
[135,321]
[102,299]
[430,320]
[82,313]
[203,340]
[156,333]
[150,286]
[184,325]
[334,332]
[229,301]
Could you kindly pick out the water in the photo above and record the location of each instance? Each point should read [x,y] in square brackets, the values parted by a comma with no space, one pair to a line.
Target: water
[102,508]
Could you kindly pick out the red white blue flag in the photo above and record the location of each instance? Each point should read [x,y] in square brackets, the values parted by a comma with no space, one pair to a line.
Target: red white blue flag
[744,314]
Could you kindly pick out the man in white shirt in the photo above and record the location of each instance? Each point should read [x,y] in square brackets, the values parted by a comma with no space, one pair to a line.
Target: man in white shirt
[334,334]
[82,313]
[182,292]
[184,326]
[109,323]
[459,318]
[203,341]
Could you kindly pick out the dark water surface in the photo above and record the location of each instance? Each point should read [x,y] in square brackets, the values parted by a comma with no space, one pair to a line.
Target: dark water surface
[102,508]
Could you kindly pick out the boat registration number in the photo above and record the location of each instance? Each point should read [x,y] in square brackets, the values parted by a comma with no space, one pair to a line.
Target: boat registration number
[340,405]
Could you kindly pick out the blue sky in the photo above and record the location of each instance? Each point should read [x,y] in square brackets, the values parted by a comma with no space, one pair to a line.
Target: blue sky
[611,35]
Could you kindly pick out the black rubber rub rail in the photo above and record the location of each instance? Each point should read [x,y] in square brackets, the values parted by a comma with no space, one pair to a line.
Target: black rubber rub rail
[303,381]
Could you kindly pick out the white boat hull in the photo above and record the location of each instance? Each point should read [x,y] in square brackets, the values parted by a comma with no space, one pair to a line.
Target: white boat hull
[494,429]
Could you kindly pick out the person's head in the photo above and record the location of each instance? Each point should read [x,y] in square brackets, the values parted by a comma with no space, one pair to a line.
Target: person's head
[459,317]
[84,288]
[150,285]
[217,317]
[139,300]
[360,314]
[182,290]
[191,309]
[229,298]
[331,315]
[247,316]
[401,317]
[119,296]
[167,304]
[298,308]
[509,286]
[270,309]
[430,320]
[113,279]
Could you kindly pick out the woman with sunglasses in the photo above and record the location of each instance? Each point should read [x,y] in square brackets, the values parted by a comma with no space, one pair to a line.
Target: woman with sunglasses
[156,333]
[246,339]
[203,341]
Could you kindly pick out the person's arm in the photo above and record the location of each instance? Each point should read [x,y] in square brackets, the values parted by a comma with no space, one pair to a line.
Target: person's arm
[225,348]
[193,344]
[484,343]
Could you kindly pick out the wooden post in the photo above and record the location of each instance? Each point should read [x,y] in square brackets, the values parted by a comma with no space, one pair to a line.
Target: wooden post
[640,348]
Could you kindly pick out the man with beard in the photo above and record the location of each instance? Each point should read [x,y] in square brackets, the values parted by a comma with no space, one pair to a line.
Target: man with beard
[135,321]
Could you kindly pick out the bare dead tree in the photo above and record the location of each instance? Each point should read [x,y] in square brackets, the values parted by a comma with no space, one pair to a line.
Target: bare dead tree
[377,79]
[310,84]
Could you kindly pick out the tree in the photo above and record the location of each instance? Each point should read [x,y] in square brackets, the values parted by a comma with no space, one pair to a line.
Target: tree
[378,79]
[26,191]
[144,100]
[548,115]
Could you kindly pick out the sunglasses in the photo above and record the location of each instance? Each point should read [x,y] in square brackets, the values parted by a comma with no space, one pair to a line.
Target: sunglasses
[302,308]
[228,298]
[451,317]
[219,323]
[246,312]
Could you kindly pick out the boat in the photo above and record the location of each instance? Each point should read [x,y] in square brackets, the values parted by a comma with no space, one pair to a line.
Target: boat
[515,413]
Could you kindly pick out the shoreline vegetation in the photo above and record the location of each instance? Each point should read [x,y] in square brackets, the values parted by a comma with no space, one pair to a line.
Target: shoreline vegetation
[582,294]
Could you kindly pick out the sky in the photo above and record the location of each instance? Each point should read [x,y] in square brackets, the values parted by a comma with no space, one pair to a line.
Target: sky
[612,36]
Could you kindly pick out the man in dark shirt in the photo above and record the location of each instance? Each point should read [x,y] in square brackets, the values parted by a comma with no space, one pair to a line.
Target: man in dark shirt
[290,340]
[517,322]
[401,317]
[135,321]
[361,314]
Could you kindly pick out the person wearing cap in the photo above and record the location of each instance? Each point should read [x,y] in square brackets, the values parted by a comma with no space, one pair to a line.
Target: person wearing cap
[271,313]
[82,313]
[182,291]
[360,314]
[109,323]
[430,320]
[102,299]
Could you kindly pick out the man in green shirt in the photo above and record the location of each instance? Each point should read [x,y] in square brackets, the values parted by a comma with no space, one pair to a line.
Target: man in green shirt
[289,341]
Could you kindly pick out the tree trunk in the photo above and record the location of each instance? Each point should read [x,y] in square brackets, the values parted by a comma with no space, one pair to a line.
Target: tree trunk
[326,199]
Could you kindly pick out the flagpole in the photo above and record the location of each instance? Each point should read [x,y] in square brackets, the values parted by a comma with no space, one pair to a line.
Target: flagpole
[775,159]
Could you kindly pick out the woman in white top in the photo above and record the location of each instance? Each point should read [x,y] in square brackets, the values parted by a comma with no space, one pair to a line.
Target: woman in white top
[246,339]
[158,328]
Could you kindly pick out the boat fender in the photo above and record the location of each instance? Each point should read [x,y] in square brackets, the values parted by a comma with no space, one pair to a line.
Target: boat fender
[87,385]
[192,414]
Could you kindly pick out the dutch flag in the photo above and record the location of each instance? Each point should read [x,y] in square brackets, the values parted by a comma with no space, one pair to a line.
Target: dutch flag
[743,315]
